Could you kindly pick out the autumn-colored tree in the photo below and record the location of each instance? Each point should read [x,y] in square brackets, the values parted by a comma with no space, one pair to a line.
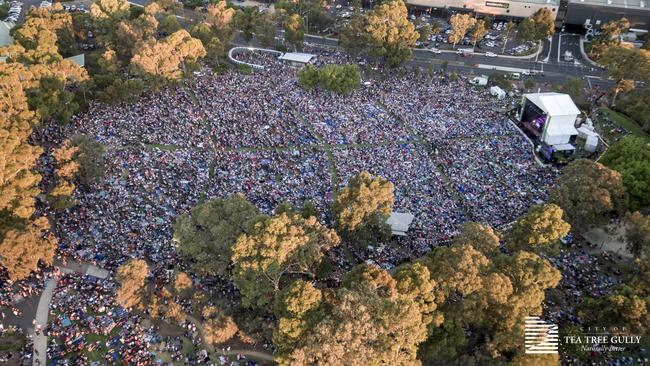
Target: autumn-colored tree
[389,32]
[275,248]
[24,240]
[541,227]
[544,23]
[610,35]
[167,58]
[182,284]
[625,309]
[220,17]
[104,9]
[294,30]
[23,246]
[479,31]
[206,235]
[366,321]
[460,24]
[637,234]
[483,238]
[362,208]
[133,286]
[631,157]
[588,191]
[174,313]
[483,300]
[219,330]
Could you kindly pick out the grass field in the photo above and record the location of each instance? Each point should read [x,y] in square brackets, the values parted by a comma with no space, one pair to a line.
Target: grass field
[626,123]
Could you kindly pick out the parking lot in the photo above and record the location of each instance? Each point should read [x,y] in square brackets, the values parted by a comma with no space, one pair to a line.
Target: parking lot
[498,40]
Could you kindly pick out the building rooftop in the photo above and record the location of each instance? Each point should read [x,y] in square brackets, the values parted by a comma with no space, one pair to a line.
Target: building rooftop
[629,4]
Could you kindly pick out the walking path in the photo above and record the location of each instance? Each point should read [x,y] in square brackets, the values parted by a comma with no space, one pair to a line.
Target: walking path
[232,352]
[42,312]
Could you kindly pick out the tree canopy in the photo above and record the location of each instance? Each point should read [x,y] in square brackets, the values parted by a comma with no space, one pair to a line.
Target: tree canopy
[587,192]
[206,234]
[276,247]
[372,319]
[341,79]
[541,227]
[631,157]
[390,34]
[362,208]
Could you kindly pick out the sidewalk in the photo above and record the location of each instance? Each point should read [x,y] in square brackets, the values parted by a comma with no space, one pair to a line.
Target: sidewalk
[43,310]
[40,340]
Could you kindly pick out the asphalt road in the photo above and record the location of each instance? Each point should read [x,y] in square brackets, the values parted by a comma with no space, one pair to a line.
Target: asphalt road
[555,69]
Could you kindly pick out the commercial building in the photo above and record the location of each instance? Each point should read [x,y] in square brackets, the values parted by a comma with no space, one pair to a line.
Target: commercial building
[594,13]
[495,8]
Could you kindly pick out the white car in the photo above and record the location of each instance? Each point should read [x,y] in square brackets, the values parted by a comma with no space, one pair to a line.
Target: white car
[436,51]
[490,54]
[339,6]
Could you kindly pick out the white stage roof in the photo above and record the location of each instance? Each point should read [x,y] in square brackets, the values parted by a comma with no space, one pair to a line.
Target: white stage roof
[297,57]
[399,222]
[554,104]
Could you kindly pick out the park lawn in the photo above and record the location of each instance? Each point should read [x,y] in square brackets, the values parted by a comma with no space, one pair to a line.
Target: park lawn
[626,122]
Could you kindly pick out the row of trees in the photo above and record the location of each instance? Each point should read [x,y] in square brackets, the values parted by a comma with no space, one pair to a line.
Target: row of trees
[33,60]
[468,299]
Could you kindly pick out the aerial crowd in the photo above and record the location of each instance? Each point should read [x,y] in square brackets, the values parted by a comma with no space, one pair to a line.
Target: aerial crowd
[448,148]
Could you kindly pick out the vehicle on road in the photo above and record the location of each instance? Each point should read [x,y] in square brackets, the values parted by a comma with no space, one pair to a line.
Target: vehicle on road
[436,51]
[490,54]
[568,56]
[515,76]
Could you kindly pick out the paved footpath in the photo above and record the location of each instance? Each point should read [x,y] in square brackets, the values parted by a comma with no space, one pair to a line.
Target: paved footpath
[43,310]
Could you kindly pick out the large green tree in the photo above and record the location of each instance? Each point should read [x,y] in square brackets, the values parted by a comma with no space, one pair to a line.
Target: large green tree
[206,234]
[631,157]
[587,192]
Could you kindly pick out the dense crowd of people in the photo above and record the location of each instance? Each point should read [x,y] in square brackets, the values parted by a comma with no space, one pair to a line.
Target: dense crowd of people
[447,147]
[85,321]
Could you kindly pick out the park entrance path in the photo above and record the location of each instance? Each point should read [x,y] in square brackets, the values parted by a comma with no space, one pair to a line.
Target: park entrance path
[43,310]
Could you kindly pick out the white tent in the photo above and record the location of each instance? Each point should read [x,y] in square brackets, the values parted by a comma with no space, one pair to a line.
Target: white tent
[297,58]
[497,92]
[399,222]
[561,115]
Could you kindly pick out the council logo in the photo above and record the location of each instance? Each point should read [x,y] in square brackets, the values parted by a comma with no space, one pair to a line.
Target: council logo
[541,336]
